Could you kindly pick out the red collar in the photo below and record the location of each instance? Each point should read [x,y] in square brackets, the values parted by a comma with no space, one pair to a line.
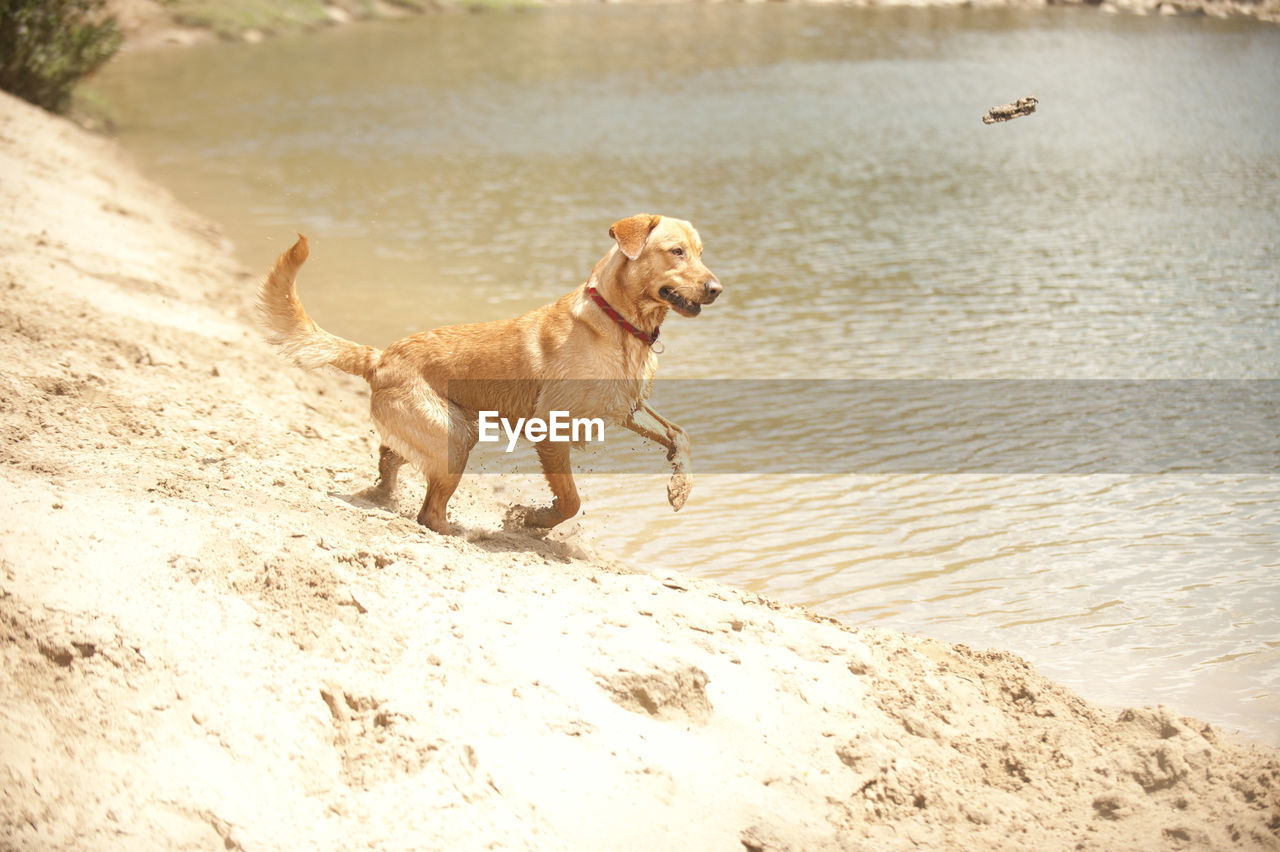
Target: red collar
[649,339]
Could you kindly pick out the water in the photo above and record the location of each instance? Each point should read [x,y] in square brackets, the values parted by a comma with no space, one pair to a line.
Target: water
[867,226]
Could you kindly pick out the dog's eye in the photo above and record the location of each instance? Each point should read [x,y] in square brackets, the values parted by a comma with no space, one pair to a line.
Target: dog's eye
[678,251]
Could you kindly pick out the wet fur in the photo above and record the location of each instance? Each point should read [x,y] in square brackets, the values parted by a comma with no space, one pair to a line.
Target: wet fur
[565,356]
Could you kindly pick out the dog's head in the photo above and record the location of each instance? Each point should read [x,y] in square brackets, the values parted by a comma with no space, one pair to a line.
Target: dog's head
[664,263]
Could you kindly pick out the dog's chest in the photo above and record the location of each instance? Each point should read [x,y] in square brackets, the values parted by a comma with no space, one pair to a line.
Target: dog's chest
[609,387]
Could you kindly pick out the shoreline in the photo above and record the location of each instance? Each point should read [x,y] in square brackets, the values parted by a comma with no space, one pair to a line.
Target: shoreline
[211,642]
[149,24]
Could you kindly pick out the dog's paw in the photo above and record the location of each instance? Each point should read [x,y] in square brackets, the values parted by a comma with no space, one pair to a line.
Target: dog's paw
[678,489]
[531,517]
[437,524]
[541,519]
[440,527]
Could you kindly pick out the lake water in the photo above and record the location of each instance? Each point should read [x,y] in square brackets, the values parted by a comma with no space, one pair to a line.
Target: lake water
[867,227]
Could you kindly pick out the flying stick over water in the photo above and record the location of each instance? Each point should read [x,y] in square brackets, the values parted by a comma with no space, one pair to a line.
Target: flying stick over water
[1020,107]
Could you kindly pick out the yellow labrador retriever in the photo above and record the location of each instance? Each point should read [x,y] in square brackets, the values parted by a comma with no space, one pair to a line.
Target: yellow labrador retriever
[589,354]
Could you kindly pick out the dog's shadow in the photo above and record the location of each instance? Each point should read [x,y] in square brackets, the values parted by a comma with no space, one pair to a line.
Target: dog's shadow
[563,543]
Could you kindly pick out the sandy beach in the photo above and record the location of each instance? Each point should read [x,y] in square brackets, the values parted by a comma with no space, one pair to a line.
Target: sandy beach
[209,642]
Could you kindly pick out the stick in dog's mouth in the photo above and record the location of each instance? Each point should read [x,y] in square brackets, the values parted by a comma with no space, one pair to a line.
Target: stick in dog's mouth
[680,303]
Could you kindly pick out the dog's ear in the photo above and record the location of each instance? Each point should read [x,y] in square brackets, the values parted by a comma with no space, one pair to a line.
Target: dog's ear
[632,232]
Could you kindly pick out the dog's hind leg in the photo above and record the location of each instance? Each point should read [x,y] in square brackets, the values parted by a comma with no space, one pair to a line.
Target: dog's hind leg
[434,436]
[434,512]
[444,470]
[389,464]
[382,491]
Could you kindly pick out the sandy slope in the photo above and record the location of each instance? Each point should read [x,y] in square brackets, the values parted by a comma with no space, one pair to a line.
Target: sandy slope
[208,643]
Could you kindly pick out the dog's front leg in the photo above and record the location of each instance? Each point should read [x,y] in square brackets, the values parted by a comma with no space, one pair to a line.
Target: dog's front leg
[555,467]
[647,423]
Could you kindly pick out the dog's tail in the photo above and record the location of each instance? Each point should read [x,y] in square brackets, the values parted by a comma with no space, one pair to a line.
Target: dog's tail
[295,333]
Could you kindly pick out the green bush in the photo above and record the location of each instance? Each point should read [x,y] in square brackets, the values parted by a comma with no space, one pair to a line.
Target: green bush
[230,20]
[47,45]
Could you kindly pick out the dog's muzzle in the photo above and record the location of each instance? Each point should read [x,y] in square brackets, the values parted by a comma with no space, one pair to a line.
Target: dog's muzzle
[711,289]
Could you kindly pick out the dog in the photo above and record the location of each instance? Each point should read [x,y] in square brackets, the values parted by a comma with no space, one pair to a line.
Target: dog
[590,353]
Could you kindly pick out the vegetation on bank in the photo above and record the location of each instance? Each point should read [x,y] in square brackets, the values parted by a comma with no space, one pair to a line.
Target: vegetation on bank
[250,19]
[233,19]
[253,19]
[237,19]
[47,46]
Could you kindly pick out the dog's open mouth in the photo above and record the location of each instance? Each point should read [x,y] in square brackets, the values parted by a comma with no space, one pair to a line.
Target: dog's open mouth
[682,305]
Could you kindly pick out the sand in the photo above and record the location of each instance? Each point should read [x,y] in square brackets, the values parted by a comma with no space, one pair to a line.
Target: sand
[210,643]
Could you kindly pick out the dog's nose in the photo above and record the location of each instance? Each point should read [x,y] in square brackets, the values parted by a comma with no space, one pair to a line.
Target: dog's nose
[711,288]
